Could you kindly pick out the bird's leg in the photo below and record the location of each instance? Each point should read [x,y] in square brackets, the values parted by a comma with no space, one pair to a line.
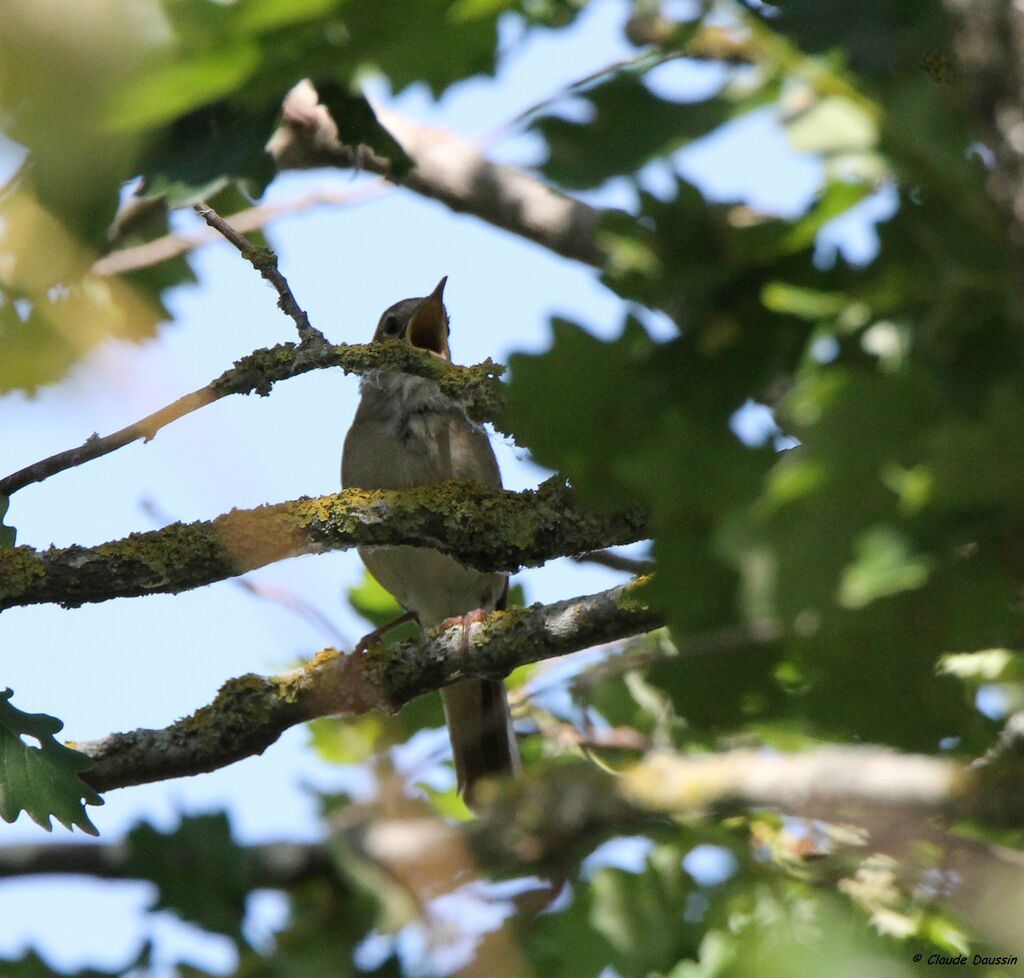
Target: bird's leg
[465,621]
[367,640]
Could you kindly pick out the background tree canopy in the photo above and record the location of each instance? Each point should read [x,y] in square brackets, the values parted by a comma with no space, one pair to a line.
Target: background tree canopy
[786,737]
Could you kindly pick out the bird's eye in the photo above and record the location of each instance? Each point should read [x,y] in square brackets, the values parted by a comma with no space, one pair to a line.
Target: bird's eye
[392,327]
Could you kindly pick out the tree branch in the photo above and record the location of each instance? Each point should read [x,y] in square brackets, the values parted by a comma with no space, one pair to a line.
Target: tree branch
[251,712]
[485,528]
[477,387]
[830,781]
[616,562]
[523,205]
[169,246]
[813,782]
[447,169]
[275,865]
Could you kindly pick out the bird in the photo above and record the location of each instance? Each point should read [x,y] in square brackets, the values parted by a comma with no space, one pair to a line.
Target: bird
[405,434]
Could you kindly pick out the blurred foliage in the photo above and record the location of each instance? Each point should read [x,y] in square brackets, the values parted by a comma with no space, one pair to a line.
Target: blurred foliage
[877,528]
[200,874]
[41,780]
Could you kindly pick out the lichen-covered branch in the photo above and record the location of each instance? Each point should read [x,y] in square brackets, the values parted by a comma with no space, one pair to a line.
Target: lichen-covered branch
[251,712]
[479,388]
[484,528]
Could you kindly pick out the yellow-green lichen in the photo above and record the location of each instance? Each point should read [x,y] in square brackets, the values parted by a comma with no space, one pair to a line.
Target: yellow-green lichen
[238,698]
[19,567]
[633,596]
[160,551]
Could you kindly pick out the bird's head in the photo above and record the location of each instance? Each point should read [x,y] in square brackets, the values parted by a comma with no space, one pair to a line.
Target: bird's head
[422,323]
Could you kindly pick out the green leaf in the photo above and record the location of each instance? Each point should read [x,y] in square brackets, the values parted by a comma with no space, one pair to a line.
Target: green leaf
[31,965]
[884,566]
[630,125]
[546,938]
[177,87]
[199,154]
[878,38]
[832,125]
[328,921]
[44,334]
[989,666]
[8,534]
[373,602]
[403,39]
[262,16]
[641,914]
[42,781]
[358,125]
[201,874]
[346,741]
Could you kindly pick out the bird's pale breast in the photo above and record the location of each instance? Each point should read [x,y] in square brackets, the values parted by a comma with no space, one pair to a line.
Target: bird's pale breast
[406,434]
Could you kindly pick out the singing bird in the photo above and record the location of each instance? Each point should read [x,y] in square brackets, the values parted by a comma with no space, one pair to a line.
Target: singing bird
[407,433]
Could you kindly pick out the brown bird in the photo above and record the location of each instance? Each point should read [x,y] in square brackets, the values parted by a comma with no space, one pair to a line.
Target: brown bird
[407,433]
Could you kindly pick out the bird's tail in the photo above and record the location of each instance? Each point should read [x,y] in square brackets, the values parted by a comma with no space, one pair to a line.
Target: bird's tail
[480,728]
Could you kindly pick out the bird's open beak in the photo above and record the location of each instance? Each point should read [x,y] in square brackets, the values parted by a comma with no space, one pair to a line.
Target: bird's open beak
[428,327]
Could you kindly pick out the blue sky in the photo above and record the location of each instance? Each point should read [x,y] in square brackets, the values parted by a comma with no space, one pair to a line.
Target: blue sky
[148,661]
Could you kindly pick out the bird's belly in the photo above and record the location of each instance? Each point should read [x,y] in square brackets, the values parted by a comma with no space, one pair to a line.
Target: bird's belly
[430,583]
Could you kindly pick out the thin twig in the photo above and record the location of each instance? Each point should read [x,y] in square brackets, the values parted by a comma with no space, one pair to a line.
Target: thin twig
[730,638]
[96,447]
[274,865]
[616,562]
[265,262]
[640,62]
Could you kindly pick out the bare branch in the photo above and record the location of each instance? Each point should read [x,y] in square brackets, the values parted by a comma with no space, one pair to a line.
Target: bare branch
[724,45]
[616,562]
[96,447]
[816,783]
[446,168]
[478,388]
[482,527]
[731,638]
[265,262]
[275,865]
[717,44]
[246,221]
[251,712]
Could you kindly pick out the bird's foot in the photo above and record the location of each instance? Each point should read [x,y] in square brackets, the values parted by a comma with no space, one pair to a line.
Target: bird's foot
[470,618]
[378,633]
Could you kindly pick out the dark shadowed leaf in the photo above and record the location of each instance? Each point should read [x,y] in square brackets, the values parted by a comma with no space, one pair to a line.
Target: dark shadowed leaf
[201,874]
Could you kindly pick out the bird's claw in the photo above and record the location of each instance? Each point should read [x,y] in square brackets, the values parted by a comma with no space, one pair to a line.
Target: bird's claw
[464,622]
